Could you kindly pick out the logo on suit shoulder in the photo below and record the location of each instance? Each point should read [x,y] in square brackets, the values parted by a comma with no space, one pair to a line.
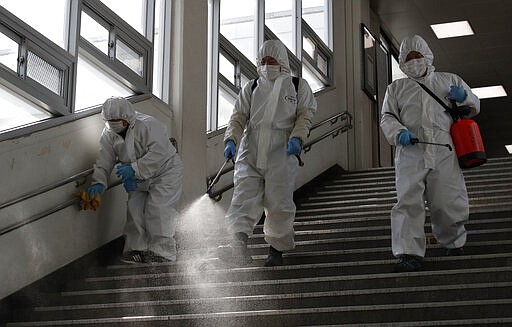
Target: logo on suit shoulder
[291,99]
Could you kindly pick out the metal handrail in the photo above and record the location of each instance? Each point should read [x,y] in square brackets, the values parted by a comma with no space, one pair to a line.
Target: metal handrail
[343,116]
[48,212]
[47,188]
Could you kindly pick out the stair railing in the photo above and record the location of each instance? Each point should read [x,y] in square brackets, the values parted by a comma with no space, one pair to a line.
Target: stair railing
[79,180]
[344,117]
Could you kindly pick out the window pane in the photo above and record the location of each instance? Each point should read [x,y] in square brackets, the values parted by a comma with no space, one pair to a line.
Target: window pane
[226,68]
[93,32]
[226,104]
[93,86]
[238,25]
[308,46]
[279,17]
[17,111]
[313,81]
[321,63]
[134,13]
[130,58]
[315,13]
[47,18]
[8,52]
[158,53]
[44,73]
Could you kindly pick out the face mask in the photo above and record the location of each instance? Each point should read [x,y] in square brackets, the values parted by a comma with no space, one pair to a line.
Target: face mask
[270,72]
[414,68]
[116,126]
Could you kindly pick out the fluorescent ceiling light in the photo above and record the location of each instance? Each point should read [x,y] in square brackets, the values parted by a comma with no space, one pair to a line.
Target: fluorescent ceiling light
[453,29]
[509,148]
[489,92]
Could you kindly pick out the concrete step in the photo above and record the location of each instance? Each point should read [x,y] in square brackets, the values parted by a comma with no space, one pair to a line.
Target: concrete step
[386,313]
[498,189]
[341,272]
[298,257]
[214,304]
[257,279]
[484,322]
[482,181]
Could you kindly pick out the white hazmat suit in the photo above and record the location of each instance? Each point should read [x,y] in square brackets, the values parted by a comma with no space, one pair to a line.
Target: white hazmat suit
[262,122]
[425,172]
[152,214]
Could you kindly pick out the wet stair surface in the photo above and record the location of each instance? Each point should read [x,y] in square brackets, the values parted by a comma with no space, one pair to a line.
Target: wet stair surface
[341,272]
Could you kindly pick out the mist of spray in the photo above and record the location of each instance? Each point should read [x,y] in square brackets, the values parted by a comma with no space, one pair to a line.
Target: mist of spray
[202,228]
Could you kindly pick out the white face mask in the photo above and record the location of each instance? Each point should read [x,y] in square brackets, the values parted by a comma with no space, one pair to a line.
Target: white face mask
[116,126]
[414,68]
[270,72]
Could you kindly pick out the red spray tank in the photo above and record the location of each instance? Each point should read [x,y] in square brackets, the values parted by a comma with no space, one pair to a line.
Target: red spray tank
[468,143]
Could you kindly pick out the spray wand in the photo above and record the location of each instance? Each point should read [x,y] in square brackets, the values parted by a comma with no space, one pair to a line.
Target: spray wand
[415,140]
[216,178]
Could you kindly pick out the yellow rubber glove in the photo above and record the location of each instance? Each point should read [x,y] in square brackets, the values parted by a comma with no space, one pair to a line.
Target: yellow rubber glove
[95,203]
[88,203]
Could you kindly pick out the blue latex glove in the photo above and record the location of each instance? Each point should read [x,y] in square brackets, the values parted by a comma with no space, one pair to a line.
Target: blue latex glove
[230,150]
[294,146]
[130,185]
[457,93]
[404,137]
[94,189]
[125,171]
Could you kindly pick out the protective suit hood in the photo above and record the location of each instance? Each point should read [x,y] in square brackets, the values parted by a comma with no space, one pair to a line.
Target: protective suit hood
[118,108]
[276,50]
[416,43]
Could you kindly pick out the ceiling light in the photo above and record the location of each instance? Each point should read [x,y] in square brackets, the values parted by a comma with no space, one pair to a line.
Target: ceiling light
[453,29]
[509,148]
[489,92]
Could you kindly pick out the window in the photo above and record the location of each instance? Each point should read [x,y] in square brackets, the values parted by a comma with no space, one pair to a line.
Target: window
[123,52]
[17,111]
[134,14]
[162,49]
[48,19]
[64,58]
[316,13]
[280,19]
[238,24]
[104,85]
[236,31]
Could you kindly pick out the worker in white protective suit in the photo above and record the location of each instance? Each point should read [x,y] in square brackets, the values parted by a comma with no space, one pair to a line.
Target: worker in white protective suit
[424,171]
[269,124]
[151,172]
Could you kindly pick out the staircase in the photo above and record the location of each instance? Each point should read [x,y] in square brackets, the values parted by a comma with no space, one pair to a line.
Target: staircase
[339,274]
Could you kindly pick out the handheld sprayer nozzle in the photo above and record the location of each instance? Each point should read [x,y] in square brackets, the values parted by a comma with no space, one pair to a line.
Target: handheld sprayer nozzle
[416,140]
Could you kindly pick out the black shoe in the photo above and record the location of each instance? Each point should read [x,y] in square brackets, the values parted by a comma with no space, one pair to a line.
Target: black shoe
[275,258]
[408,263]
[236,252]
[454,252]
[133,257]
[152,257]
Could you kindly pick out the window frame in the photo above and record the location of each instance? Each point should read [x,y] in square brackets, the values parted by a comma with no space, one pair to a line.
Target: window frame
[119,29]
[29,39]
[218,43]
[321,49]
[65,60]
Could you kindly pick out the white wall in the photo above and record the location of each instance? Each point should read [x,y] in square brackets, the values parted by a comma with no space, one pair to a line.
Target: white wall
[33,251]
[43,158]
